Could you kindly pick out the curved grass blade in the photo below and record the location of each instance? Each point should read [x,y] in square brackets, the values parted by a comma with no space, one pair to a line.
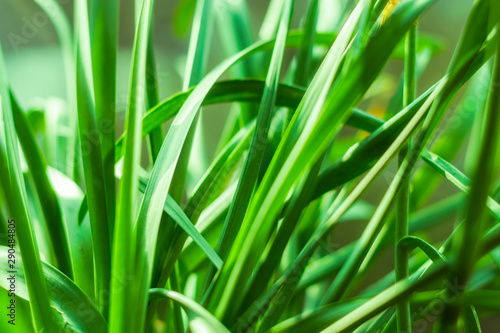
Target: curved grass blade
[454,135]
[219,172]
[330,264]
[162,173]
[300,148]
[43,317]
[457,178]
[293,41]
[358,119]
[251,168]
[156,195]
[467,249]
[318,319]
[385,299]
[173,210]
[350,268]
[471,320]
[342,279]
[76,309]
[193,145]
[477,35]
[239,91]
[79,235]
[193,309]
[411,242]
[327,180]
[48,200]
[294,270]
[324,79]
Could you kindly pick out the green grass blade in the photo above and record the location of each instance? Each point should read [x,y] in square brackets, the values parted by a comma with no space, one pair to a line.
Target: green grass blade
[476,34]
[293,40]
[348,271]
[306,50]
[403,314]
[219,173]
[104,15]
[238,91]
[92,160]
[272,192]
[197,57]
[199,43]
[48,199]
[466,248]
[176,212]
[270,24]
[234,27]
[457,178]
[345,276]
[156,136]
[64,32]
[155,195]
[257,147]
[329,178]
[173,210]
[79,235]
[43,317]
[411,242]
[194,310]
[383,300]
[471,320]
[483,175]
[127,256]
[65,297]
[319,319]
[454,135]
[271,262]
[329,265]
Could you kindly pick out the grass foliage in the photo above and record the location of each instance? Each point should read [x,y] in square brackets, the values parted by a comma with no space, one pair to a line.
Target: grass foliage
[244,241]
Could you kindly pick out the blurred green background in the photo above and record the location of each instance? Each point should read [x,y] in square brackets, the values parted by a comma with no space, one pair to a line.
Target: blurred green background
[36,71]
[35,63]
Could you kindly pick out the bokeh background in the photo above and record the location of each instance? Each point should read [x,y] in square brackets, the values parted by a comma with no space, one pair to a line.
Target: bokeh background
[36,71]
[35,65]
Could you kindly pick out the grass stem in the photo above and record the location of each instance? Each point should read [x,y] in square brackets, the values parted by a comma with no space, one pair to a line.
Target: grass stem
[402,204]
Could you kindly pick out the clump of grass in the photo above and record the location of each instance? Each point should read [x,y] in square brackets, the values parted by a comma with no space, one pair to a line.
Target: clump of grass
[247,248]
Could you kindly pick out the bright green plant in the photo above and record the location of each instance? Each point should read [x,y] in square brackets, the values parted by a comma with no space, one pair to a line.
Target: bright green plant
[114,242]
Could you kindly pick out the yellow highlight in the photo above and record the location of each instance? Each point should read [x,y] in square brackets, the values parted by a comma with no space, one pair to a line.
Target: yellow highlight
[388,10]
